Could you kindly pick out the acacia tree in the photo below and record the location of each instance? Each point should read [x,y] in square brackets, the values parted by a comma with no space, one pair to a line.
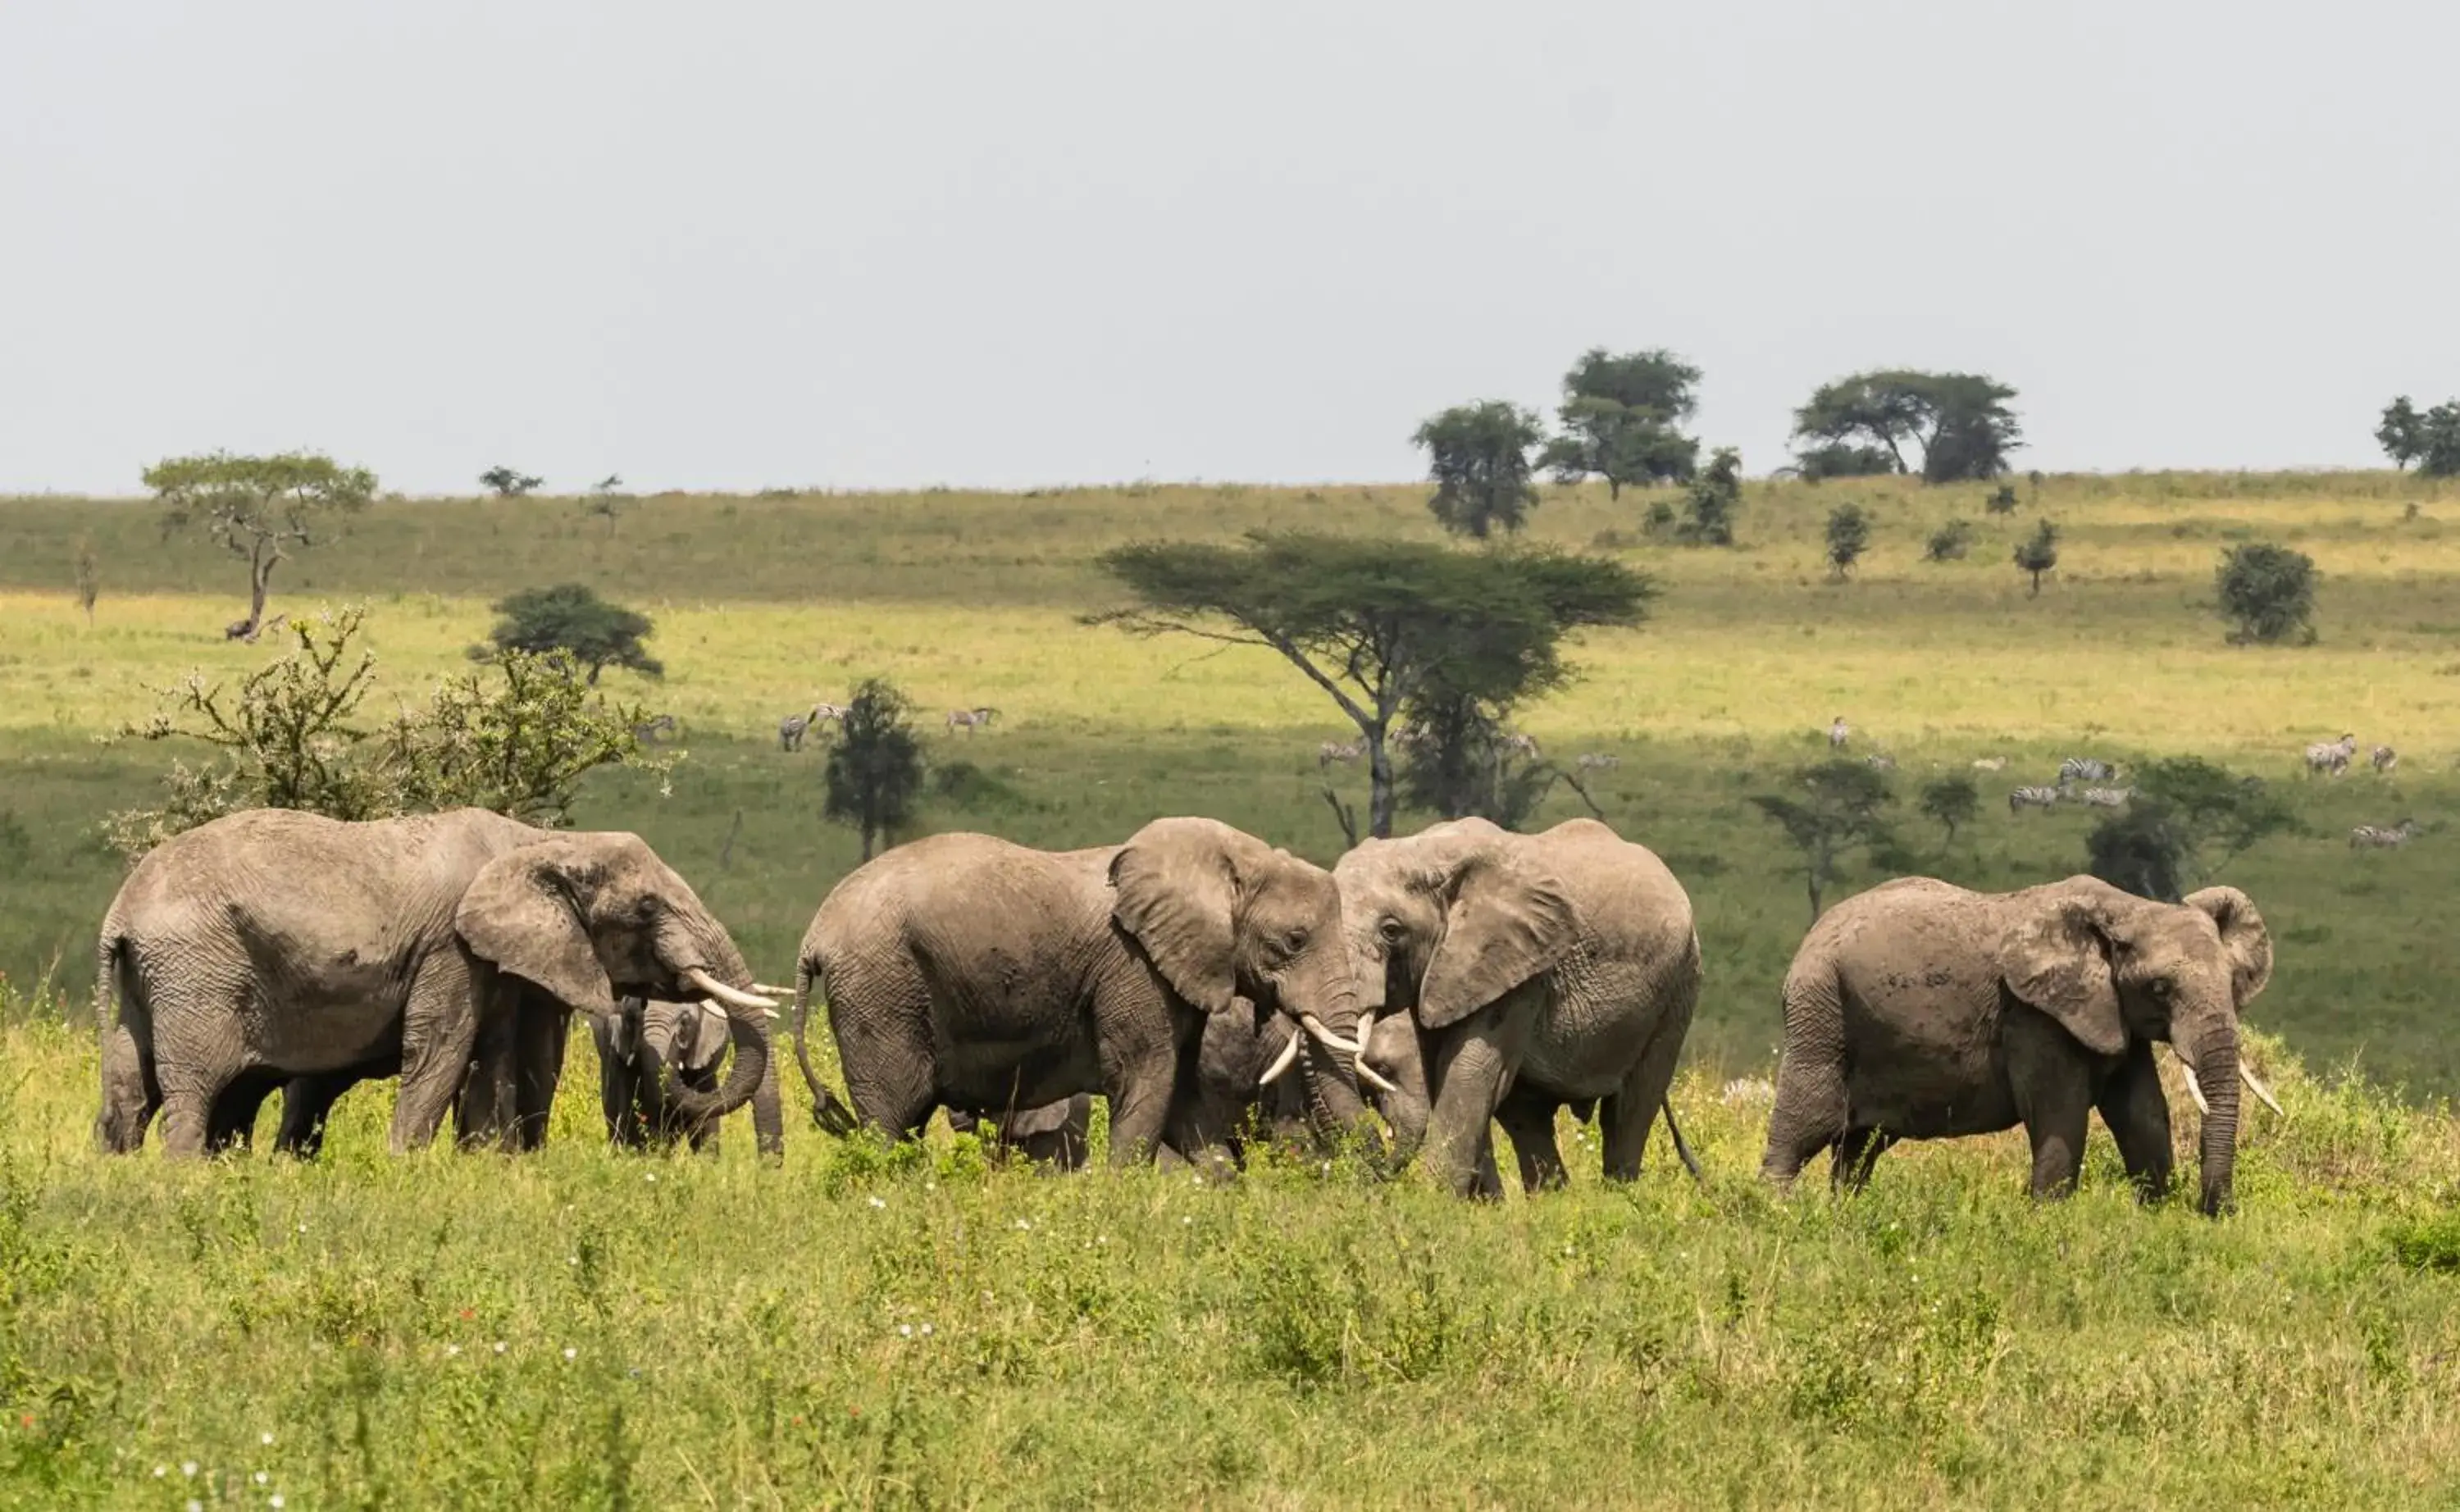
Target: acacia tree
[1375,624]
[1715,497]
[875,770]
[1952,801]
[1463,762]
[1477,457]
[509,482]
[258,508]
[2037,554]
[2268,593]
[571,617]
[1840,811]
[2189,819]
[2401,433]
[1864,423]
[1848,536]
[2431,438]
[1619,416]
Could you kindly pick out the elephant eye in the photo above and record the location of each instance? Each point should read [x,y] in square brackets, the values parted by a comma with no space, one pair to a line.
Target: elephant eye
[2161,986]
[1392,931]
[1295,941]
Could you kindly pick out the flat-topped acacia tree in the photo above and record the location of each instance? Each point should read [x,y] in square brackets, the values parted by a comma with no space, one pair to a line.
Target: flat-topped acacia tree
[1374,622]
[258,508]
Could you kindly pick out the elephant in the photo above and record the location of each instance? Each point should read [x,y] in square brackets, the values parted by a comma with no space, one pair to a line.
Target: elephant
[967,971]
[305,1104]
[1053,1134]
[280,947]
[1922,1011]
[1514,975]
[634,1046]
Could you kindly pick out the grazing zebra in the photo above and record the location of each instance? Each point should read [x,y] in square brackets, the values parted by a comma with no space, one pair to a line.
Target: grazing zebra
[2380,836]
[1990,764]
[2106,796]
[1525,745]
[650,731]
[2386,758]
[970,718]
[2084,769]
[2025,797]
[2331,756]
[791,729]
[1839,733]
[1881,762]
[835,711]
[1597,761]
[1345,753]
[1408,738]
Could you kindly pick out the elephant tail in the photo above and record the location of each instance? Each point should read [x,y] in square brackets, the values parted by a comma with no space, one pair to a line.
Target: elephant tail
[833,1117]
[1682,1147]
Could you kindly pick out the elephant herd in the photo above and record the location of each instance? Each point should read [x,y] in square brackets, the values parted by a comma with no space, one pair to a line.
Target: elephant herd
[1200,980]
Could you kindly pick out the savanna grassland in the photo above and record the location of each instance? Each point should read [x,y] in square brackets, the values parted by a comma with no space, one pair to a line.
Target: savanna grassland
[871,1328]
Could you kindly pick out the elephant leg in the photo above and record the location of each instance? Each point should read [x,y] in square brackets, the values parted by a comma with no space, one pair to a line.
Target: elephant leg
[879,1014]
[1486,1184]
[231,1125]
[1856,1154]
[188,1096]
[131,1096]
[2138,1115]
[307,1102]
[439,1031]
[1472,1062]
[1811,1111]
[541,1032]
[2055,1122]
[486,1107]
[1529,1117]
[1139,1092]
[619,1092]
[1629,1114]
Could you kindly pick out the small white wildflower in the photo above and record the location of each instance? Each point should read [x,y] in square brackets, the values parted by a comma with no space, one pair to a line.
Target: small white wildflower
[1025,1223]
[1101,1239]
[499,1346]
[651,1178]
[927,1330]
[302,1228]
[1567,1250]
[571,1353]
[879,1201]
[572,1259]
[195,1505]
[905,1331]
[188,1467]
[274,1502]
[265,1439]
[159,1471]
[930,1186]
[1198,1178]
[1187,1223]
[452,1349]
[262,1477]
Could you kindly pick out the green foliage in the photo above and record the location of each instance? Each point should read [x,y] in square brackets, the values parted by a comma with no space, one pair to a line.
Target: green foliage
[509,482]
[875,769]
[1952,801]
[2189,819]
[2267,592]
[2037,554]
[2401,433]
[1848,536]
[1619,419]
[2431,439]
[2002,498]
[89,577]
[1478,460]
[1378,624]
[1842,808]
[1843,459]
[1949,542]
[1960,420]
[517,738]
[570,617]
[1659,519]
[607,500]
[1714,499]
[1462,763]
[256,508]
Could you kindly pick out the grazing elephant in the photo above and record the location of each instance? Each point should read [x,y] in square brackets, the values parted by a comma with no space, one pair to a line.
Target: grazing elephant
[966,971]
[1920,1011]
[634,1047]
[274,946]
[1526,972]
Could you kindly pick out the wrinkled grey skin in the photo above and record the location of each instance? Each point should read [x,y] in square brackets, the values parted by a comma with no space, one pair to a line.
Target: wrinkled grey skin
[1053,1134]
[280,947]
[1920,1011]
[1513,975]
[639,1043]
[965,971]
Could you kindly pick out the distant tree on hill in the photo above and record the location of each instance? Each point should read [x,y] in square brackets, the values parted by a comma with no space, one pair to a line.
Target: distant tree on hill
[1848,536]
[1379,624]
[1841,807]
[571,617]
[2267,592]
[258,508]
[89,578]
[1960,421]
[1463,762]
[1951,800]
[1714,499]
[509,482]
[875,770]
[1619,416]
[2187,820]
[1479,460]
[2431,439]
[2037,554]
[1949,541]
[605,501]
[2002,498]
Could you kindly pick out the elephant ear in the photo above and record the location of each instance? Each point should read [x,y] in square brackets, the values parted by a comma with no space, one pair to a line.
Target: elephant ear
[2056,958]
[2243,936]
[519,913]
[1049,1118]
[1504,922]
[1175,887]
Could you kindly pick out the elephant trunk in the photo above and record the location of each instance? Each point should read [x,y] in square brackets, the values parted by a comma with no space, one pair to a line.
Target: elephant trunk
[727,981]
[2213,1049]
[1325,1010]
[832,1116]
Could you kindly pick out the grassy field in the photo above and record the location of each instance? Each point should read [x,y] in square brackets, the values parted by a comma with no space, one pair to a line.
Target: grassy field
[1304,1338]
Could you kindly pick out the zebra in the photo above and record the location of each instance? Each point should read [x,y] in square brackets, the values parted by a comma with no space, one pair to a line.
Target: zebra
[1990,763]
[2386,758]
[1839,733]
[2025,797]
[1408,738]
[1345,753]
[1524,745]
[1597,761]
[970,718]
[835,711]
[650,731]
[2331,756]
[2084,769]
[2379,836]
[2104,796]
[1881,762]
[791,729]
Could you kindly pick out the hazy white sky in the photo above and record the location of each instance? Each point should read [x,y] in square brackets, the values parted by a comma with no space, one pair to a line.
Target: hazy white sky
[739,244]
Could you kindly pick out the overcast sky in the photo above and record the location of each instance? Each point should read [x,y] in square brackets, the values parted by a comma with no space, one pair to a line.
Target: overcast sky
[740,245]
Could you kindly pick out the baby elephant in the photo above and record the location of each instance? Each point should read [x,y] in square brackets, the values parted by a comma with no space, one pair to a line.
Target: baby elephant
[688,1037]
[1052,1135]
[1920,1011]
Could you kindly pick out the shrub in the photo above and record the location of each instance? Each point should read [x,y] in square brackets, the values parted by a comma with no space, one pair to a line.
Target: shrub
[572,618]
[1949,541]
[2267,592]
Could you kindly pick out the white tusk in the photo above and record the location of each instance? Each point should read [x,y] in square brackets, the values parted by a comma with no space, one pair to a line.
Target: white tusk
[1365,1027]
[1324,1036]
[1374,1078]
[731,998]
[2262,1092]
[2194,1088]
[773,992]
[1280,1063]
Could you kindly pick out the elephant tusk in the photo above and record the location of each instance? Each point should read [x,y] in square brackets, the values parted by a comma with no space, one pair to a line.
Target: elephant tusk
[1315,1030]
[1280,1063]
[773,992]
[2194,1088]
[1365,1027]
[731,998]
[2262,1092]
[1375,1079]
